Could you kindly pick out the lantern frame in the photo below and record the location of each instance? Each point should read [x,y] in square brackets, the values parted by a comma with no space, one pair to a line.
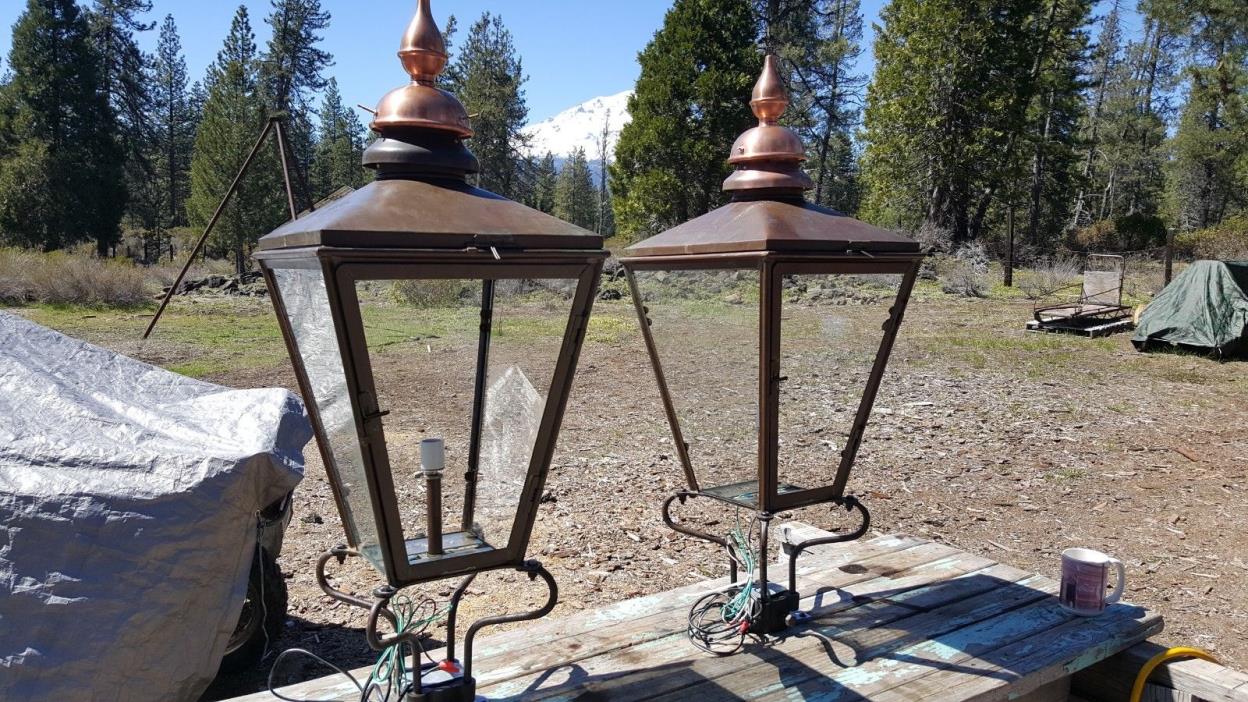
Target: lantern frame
[421,220]
[771,267]
[768,227]
[342,268]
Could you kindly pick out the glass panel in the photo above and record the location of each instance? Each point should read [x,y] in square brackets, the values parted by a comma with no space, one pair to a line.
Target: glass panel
[423,338]
[304,296]
[705,325]
[831,330]
[530,321]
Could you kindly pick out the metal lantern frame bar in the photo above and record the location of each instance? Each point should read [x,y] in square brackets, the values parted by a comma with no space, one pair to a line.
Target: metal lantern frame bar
[772,267]
[342,269]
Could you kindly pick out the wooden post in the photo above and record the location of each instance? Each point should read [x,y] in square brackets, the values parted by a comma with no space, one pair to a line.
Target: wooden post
[1009,258]
[1169,255]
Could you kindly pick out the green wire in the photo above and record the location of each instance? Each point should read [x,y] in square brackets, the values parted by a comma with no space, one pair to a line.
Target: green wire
[391,661]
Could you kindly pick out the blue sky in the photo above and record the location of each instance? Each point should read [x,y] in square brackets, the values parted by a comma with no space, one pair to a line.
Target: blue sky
[573,50]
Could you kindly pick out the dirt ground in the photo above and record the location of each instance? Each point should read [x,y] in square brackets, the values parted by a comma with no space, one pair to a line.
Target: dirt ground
[1003,443]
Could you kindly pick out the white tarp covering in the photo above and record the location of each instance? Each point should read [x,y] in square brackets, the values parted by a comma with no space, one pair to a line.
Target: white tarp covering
[127,517]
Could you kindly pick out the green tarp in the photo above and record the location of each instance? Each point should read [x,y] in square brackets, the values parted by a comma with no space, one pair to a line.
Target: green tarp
[1205,308]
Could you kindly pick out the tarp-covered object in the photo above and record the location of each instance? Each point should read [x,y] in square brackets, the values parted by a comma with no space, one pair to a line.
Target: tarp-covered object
[1205,308]
[127,517]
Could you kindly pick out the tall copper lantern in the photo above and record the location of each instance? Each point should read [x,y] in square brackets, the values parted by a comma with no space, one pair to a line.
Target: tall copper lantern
[437,472]
[768,403]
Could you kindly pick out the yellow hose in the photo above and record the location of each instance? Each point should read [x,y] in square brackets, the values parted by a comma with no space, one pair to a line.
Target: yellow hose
[1137,690]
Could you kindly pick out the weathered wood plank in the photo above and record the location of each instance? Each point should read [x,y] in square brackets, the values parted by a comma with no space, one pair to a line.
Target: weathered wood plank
[1110,680]
[1023,666]
[902,666]
[801,665]
[1056,691]
[646,628]
[817,560]
[915,620]
[1157,693]
[628,673]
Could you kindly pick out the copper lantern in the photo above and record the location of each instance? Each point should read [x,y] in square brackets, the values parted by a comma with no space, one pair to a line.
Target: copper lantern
[437,459]
[769,323]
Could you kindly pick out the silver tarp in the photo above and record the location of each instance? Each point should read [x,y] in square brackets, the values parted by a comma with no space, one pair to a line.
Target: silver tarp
[127,517]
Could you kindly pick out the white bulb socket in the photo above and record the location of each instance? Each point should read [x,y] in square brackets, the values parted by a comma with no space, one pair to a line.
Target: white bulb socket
[432,455]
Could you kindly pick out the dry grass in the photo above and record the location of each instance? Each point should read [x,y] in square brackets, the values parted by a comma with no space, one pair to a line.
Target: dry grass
[62,278]
[1049,276]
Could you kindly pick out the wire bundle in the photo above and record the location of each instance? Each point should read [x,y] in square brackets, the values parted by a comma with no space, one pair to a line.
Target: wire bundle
[391,666]
[720,621]
[390,672]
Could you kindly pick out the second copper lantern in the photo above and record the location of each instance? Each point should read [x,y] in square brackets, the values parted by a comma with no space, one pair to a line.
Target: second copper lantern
[755,317]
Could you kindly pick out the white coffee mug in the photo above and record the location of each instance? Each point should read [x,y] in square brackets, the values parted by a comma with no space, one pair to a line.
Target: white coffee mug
[1085,576]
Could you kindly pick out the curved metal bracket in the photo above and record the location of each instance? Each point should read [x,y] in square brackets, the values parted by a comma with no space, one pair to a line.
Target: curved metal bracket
[339,553]
[850,504]
[684,495]
[534,570]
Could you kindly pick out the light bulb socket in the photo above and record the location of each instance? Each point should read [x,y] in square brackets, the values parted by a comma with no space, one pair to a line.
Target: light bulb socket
[432,456]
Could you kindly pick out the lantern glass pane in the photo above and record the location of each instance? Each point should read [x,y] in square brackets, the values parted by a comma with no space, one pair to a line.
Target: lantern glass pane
[306,301]
[424,339]
[705,327]
[831,330]
[530,321]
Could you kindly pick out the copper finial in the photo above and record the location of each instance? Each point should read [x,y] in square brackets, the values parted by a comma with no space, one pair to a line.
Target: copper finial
[770,99]
[423,52]
[422,104]
[768,157]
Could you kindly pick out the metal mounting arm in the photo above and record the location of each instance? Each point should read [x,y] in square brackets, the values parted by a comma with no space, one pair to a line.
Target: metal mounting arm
[534,570]
[795,550]
[684,495]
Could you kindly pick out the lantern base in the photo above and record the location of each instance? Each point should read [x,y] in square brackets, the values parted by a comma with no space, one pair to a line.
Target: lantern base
[774,612]
[439,686]
[779,609]
[448,681]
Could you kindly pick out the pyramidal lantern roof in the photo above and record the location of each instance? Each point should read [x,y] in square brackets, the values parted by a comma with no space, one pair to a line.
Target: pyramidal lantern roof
[421,197]
[768,212]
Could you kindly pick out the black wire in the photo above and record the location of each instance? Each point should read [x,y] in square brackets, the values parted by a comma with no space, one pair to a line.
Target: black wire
[277,661]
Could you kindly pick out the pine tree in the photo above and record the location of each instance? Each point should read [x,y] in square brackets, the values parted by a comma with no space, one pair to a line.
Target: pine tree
[125,73]
[545,179]
[173,124]
[233,116]
[339,147]
[291,70]
[576,198]
[951,105]
[1124,134]
[60,172]
[1050,145]
[690,104]
[487,75]
[1208,177]
[819,42]
[605,217]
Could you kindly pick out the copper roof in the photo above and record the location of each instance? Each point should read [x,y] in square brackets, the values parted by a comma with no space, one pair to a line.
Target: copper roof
[421,198]
[401,213]
[773,225]
[768,212]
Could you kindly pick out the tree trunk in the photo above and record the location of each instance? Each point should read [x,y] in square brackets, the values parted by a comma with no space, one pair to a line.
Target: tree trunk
[1038,162]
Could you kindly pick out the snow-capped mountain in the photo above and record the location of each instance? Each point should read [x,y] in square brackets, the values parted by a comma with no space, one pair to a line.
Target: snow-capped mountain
[580,126]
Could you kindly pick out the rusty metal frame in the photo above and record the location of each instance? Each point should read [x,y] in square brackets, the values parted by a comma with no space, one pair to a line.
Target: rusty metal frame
[772,268]
[342,269]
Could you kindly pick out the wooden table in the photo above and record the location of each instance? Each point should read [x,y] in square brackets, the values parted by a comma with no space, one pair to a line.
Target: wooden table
[895,618]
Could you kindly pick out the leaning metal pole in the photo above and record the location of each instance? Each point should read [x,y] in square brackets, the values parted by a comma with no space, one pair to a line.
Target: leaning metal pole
[273,123]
